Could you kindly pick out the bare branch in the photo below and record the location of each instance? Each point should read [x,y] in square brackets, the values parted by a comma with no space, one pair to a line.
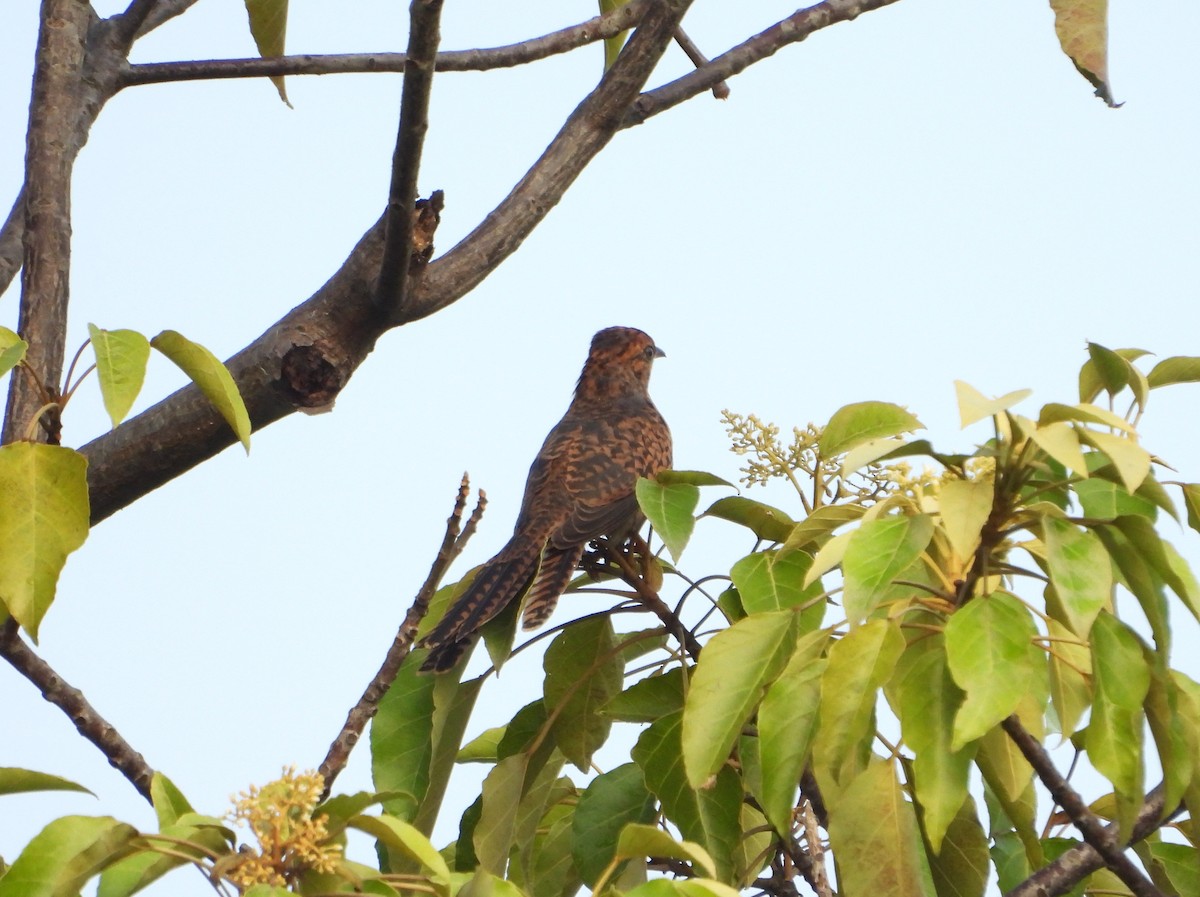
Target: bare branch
[794,28]
[70,700]
[696,55]
[423,36]
[129,23]
[453,543]
[163,12]
[12,235]
[334,330]
[1103,840]
[47,239]
[478,60]
[1074,865]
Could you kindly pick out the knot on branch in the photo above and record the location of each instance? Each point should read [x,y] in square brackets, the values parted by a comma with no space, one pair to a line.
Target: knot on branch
[427,214]
[308,378]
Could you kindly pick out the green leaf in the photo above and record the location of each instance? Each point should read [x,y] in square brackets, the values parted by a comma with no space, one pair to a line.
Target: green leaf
[1191,500]
[1070,677]
[925,698]
[67,853]
[1008,780]
[1082,29]
[402,837]
[14,780]
[191,836]
[584,671]
[169,802]
[1102,500]
[670,510]
[974,406]
[268,26]
[44,516]
[550,869]
[612,800]
[766,522]
[12,350]
[1080,570]
[859,664]
[855,424]
[453,704]
[961,868]
[1167,714]
[709,816]
[1112,369]
[640,840]
[964,506]
[210,376]
[501,793]
[787,723]
[401,740]
[873,832]
[1082,413]
[817,528]
[738,663]
[649,699]
[1178,864]
[121,357]
[878,552]
[1177,369]
[690,477]
[1114,734]
[992,657]
[774,580]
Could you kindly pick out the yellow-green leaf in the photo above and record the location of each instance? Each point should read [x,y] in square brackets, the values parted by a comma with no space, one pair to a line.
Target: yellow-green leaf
[1080,571]
[1082,29]
[44,516]
[975,406]
[613,45]
[1177,369]
[212,378]
[401,836]
[773,580]
[121,357]
[861,422]
[737,665]
[583,673]
[639,840]
[1060,441]
[1130,459]
[964,506]
[873,832]
[18,781]
[878,552]
[991,655]
[268,26]
[61,858]
[12,350]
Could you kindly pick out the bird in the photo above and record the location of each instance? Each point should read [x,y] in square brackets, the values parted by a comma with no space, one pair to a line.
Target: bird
[580,488]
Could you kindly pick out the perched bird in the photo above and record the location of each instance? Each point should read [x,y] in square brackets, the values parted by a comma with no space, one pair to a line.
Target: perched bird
[580,487]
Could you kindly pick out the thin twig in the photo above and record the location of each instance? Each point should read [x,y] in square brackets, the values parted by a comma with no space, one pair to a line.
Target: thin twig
[476,60]
[70,700]
[794,28]
[423,36]
[1103,840]
[650,599]
[453,543]
[699,60]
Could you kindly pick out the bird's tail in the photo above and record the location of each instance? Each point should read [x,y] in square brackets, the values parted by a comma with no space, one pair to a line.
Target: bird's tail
[557,566]
[499,582]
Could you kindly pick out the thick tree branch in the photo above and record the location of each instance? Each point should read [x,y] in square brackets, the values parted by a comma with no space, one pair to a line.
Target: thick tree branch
[70,700]
[46,264]
[423,36]
[794,28]
[1080,861]
[477,60]
[332,332]
[1102,839]
[453,542]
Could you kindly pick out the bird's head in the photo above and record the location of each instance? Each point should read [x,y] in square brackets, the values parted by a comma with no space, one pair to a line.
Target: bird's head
[618,363]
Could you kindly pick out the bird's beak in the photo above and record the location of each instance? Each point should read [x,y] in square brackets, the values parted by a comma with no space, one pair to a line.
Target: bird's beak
[659,353]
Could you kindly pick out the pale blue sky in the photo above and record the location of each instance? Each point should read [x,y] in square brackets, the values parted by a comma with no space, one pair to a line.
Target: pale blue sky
[926,194]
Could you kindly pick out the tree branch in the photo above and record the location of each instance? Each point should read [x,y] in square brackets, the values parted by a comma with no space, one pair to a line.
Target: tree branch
[163,12]
[1074,865]
[12,236]
[390,291]
[328,336]
[452,545]
[70,700]
[1102,839]
[696,55]
[793,29]
[478,60]
[129,23]
[46,266]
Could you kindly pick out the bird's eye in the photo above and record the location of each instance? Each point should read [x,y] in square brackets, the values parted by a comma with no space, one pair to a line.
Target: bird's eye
[650,352]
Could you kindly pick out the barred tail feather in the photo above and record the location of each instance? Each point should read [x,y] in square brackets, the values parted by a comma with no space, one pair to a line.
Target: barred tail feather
[557,566]
[496,585]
